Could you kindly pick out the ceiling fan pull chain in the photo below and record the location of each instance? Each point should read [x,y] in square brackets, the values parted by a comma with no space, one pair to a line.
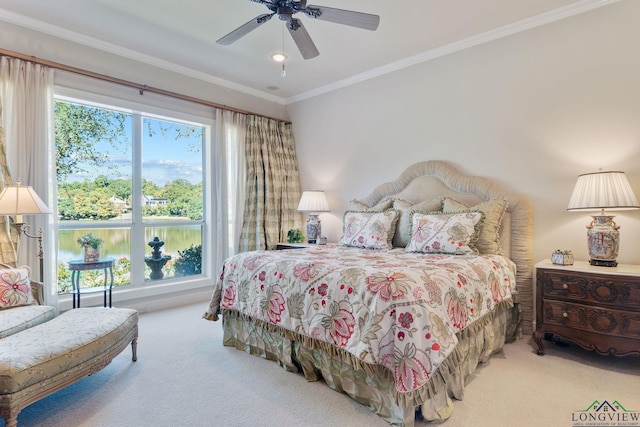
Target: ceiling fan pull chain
[284,72]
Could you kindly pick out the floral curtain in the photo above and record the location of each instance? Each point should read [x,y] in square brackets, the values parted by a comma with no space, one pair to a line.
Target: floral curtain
[26,96]
[272,184]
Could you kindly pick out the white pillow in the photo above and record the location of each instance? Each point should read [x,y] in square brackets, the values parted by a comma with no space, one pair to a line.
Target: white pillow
[446,233]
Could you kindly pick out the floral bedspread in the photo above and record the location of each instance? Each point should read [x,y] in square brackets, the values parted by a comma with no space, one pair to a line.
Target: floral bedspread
[389,307]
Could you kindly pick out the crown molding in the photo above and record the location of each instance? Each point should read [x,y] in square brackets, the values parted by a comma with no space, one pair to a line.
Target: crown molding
[486,37]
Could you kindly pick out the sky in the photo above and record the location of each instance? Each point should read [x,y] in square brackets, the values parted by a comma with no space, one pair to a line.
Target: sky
[164,158]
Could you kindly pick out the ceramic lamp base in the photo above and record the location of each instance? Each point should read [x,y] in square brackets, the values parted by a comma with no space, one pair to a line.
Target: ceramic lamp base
[313,228]
[603,240]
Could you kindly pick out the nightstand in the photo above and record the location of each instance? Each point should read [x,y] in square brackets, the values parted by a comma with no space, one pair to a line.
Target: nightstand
[597,308]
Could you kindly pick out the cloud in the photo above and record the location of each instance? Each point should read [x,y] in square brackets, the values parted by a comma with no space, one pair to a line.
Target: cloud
[163,171]
[159,171]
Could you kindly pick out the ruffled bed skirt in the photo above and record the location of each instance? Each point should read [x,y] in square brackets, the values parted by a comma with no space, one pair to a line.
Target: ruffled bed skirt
[372,385]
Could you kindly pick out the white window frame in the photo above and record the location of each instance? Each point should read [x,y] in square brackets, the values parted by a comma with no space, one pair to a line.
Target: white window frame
[157,294]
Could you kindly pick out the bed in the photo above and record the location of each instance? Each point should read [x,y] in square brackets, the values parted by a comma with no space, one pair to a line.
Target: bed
[432,276]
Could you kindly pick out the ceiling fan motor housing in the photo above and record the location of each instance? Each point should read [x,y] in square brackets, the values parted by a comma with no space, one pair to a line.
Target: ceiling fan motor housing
[284,13]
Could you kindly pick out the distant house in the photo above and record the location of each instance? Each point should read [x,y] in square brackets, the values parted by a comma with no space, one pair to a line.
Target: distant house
[118,204]
[153,201]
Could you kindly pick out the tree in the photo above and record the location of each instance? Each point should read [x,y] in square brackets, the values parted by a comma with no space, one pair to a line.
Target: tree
[194,209]
[66,208]
[78,128]
[105,209]
[150,188]
[121,188]
[192,134]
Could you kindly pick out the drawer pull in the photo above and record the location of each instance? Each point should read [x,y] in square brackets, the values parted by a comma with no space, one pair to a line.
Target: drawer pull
[565,314]
[565,286]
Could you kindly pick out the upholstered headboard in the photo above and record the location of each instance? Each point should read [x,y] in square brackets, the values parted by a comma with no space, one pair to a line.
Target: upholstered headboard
[426,180]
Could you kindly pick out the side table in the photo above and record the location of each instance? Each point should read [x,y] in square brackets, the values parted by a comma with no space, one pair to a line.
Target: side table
[597,308]
[78,266]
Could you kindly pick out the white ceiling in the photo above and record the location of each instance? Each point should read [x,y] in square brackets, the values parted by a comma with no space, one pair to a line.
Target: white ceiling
[181,35]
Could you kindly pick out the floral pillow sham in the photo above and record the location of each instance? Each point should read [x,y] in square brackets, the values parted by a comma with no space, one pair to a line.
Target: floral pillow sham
[405,208]
[15,287]
[489,237]
[369,230]
[445,233]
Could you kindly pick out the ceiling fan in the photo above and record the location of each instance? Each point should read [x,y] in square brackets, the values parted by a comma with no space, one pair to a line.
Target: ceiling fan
[285,9]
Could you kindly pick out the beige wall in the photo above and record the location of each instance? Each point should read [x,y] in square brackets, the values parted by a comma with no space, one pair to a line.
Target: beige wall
[531,111]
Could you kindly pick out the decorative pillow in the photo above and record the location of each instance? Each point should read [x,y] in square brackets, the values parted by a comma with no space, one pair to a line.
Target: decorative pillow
[15,287]
[405,208]
[382,205]
[453,233]
[489,240]
[369,230]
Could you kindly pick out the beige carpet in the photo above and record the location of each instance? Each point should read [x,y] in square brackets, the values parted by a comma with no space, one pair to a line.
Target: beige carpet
[185,377]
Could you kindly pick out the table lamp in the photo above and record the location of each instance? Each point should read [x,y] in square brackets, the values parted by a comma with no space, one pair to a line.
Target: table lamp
[600,191]
[313,202]
[21,200]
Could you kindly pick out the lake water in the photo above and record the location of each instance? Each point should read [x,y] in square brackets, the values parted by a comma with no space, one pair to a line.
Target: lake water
[117,241]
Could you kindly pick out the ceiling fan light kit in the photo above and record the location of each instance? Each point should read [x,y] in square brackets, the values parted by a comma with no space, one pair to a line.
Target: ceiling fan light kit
[279,56]
[285,9]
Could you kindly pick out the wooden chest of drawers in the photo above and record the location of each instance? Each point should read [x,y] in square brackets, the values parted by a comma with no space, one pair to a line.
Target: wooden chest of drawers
[597,308]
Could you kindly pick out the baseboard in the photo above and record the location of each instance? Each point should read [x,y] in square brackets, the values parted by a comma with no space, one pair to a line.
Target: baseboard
[162,302]
[154,302]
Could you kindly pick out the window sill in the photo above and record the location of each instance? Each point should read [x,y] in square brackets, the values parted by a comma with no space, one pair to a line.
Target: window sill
[148,297]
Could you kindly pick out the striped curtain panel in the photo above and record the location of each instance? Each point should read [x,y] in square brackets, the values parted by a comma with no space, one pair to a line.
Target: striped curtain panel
[272,185]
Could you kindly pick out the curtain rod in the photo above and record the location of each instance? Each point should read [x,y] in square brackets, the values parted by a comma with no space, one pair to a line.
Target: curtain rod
[140,87]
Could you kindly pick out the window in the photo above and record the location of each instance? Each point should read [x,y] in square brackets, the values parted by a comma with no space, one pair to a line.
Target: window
[135,177]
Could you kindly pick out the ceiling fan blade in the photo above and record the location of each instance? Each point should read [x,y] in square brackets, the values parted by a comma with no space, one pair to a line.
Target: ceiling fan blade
[300,35]
[366,21]
[245,29]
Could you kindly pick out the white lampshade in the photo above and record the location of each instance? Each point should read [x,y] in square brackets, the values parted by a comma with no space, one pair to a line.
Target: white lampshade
[600,191]
[603,190]
[21,200]
[313,201]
